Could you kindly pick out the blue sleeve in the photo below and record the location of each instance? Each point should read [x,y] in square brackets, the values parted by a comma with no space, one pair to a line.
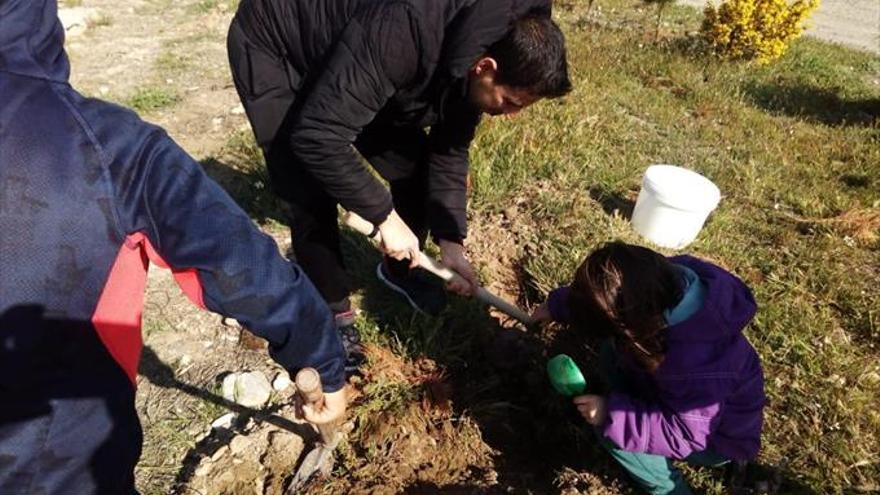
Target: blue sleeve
[193,224]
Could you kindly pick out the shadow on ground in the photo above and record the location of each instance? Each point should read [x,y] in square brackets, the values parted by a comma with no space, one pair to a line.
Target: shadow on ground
[814,104]
[249,188]
[162,375]
[613,202]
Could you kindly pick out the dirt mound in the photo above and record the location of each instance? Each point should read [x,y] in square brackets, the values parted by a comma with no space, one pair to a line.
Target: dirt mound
[256,461]
[422,441]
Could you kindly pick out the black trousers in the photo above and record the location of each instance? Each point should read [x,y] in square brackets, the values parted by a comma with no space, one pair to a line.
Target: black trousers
[268,87]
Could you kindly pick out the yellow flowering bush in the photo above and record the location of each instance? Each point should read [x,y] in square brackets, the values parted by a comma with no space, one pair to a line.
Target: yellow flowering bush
[755,29]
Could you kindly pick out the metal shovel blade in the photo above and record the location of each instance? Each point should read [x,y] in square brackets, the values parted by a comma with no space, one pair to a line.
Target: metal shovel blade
[318,461]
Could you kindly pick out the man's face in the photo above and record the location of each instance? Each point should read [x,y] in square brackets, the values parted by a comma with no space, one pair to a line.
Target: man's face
[493,98]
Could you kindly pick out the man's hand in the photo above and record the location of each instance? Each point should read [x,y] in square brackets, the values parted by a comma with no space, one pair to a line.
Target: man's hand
[541,314]
[398,241]
[592,408]
[452,256]
[333,408]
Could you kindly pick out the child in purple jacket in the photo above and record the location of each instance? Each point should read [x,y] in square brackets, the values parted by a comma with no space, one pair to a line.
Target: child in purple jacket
[685,384]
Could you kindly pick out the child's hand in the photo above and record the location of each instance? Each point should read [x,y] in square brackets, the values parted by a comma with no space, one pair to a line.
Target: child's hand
[541,314]
[332,408]
[592,408]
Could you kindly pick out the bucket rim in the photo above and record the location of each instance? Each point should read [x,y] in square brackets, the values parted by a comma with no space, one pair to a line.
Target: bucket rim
[704,198]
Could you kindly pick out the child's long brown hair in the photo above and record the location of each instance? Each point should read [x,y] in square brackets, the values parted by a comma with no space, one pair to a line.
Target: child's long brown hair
[623,290]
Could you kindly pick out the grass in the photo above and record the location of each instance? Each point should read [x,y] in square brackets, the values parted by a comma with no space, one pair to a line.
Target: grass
[152,98]
[169,62]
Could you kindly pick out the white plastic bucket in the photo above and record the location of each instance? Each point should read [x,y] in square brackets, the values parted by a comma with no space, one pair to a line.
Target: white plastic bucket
[673,205]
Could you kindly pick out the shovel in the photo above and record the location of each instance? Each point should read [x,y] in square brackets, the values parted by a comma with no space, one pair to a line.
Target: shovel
[319,461]
[364,227]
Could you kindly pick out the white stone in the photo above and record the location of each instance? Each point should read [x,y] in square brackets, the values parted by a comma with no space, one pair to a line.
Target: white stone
[237,110]
[224,421]
[219,453]
[250,389]
[281,381]
[228,387]
[239,444]
[203,469]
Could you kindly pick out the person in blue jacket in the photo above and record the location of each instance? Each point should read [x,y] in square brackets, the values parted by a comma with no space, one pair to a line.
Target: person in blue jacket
[89,196]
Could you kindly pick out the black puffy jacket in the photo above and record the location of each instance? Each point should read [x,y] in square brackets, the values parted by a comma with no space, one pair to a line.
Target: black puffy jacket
[393,62]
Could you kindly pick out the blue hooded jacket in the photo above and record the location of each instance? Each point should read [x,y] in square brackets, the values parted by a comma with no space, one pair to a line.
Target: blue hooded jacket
[89,196]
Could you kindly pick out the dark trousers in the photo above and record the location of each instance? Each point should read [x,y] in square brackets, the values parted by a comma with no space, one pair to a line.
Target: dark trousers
[268,86]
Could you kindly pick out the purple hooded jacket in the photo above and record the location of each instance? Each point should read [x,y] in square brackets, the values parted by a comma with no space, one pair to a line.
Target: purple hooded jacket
[709,391]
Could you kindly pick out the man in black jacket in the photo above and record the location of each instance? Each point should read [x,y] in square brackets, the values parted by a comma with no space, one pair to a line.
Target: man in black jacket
[325,80]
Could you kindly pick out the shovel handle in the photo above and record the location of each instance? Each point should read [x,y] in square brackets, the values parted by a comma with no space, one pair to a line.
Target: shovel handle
[357,223]
[308,386]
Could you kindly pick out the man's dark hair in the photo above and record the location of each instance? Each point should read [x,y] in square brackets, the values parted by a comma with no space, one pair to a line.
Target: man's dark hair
[532,57]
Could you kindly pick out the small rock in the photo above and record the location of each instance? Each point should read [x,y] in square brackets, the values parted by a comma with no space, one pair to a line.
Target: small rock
[224,421]
[228,387]
[185,360]
[217,121]
[281,381]
[251,389]
[230,322]
[227,478]
[237,110]
[203,469]
[239,444]
[104,90]
[219,453]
